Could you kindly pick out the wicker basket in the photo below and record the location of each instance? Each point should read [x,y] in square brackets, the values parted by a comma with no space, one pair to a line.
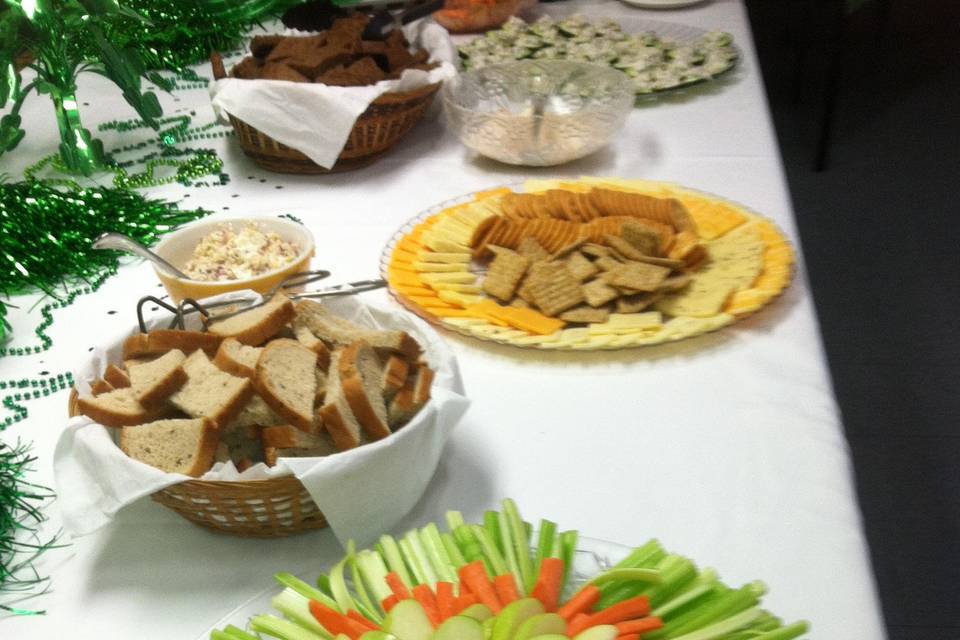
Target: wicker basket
[386,120]
[251,508]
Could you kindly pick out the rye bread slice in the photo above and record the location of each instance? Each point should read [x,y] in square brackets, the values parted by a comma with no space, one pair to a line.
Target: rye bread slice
[412,397]
[117,408]
[337,417]
[155,381]
[210,392]
[255,412]
[184,446]
[286,380]
[100,387]
[159,341]
[285,441]
[116,376]
[338,332]
[394,375]
[361,378]
[312,342]
[236,358]
[256,326]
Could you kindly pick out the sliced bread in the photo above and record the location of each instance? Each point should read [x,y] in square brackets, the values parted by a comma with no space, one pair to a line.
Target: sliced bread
[101,386]
[394,375]
[117,408]
[210,392]
[159,341]
[153,382]
[256,326]
[361,379]
[336,414]
[236,358]
[286,380]
[244,446]
[285,441]
[255,412]
[116,376]
[312,342]
[411,398]
[175,446]
[338,332]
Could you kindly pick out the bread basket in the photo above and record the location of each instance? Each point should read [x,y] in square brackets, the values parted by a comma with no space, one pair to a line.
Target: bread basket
[380,127]
[270,508]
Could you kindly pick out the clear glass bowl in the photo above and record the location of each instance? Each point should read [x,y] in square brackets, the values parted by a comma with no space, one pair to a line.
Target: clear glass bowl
[538,112]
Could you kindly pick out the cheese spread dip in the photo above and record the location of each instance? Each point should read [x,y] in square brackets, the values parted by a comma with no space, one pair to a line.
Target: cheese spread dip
[228,255]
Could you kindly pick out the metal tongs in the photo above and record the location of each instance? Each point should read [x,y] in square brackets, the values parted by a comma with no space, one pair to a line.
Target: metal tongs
[188,306]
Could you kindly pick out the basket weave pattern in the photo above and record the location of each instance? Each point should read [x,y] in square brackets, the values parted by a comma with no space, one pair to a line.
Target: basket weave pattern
[269,508]
[385,121]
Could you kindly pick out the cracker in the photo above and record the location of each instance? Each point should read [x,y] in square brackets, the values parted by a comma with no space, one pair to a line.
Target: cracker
[570,243]
[638,276]
[595,250]
[585,313]
[607,263]
[641,238]
[580,267]
[505,273]
[598,293]
[623,247]
[554,288]
[636,302]
[530,248]
[675,283]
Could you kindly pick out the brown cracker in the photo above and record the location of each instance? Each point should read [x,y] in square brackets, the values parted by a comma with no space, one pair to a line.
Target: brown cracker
[585,313]
[504,275]
[580,267]
[554,288]
[598,293]
[638,276]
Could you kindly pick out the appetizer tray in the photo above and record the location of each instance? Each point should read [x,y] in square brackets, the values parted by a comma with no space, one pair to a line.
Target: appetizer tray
[718,262]
[658,56]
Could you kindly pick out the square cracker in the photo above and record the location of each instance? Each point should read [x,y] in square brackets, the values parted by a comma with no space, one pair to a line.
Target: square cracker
[598,293]
[553,288]
[580,267]
[585,313]
[505,273]
[530,248]
[638,276]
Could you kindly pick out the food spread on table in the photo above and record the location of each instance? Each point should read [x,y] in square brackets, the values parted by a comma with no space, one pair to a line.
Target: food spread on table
[591,264]
[499,581]
[276,380]
[227,254]
[654,63]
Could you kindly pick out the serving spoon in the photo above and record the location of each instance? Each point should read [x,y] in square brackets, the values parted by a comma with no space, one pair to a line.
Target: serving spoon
[121,242]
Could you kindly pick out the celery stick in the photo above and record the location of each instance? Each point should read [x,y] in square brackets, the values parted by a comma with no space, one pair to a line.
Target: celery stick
[323,584]
[510,552]
[704,584]
[491,554]
[491,524]
[364,604]
[454,520]
[231,633]
[296,584]
[416,558]
[724,627]
[393,556]
[374,573]
[645,556]
[338,585]
[282,629]
[789,632]
[679,573]
[468,545]
[548,530]
[437,553]
[453,551]
[647,576]
[568,547]
[722,607]
[296,608]
[521,544]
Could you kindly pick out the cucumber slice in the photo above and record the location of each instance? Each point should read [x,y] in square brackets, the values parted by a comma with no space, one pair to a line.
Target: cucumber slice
[459,628]
[408,621]
[602,632]
[479,612]
[372,635]
[509,620]
[542,625]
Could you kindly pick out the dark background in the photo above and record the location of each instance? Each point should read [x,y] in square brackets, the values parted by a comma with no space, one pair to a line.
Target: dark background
[881,242]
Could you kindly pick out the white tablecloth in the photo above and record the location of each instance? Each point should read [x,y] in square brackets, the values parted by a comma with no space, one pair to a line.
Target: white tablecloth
[728,448]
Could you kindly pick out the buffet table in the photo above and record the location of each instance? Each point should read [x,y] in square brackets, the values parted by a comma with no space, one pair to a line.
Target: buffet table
[728,448]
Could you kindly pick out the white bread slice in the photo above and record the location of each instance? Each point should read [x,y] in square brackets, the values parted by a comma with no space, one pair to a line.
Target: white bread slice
[175,446]
[210,392]
[255,412]
[285,441]
[338,332]
[153,382]
[236,358]
[335,413]
[394,375]
[100,387]
[286,380]
[116,376]
[117,408]
[256,326]
[361,378]
[312,342]
[321,391]
[411,398]
[159,341]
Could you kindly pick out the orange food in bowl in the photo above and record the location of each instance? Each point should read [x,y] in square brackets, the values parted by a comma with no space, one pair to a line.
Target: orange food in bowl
[468,16]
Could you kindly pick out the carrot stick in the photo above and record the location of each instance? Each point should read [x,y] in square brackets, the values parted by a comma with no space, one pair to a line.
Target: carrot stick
[578,623]
[474,575]
[395,582]
[549,583]
[424,595]
[357,617]
[463,601]
[335,622]
[581,602]
[389,602]
[637,607]
[506,588]
[641,625]
[629,636]
[445,600]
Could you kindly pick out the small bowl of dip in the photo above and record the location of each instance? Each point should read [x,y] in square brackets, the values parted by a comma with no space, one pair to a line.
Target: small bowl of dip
[223,255]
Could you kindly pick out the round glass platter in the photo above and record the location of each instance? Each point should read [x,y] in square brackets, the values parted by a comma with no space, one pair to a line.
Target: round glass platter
[685,327]
[591,558]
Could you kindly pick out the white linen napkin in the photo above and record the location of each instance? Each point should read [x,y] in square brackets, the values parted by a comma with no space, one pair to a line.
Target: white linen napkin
[362,492]
[316,119]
